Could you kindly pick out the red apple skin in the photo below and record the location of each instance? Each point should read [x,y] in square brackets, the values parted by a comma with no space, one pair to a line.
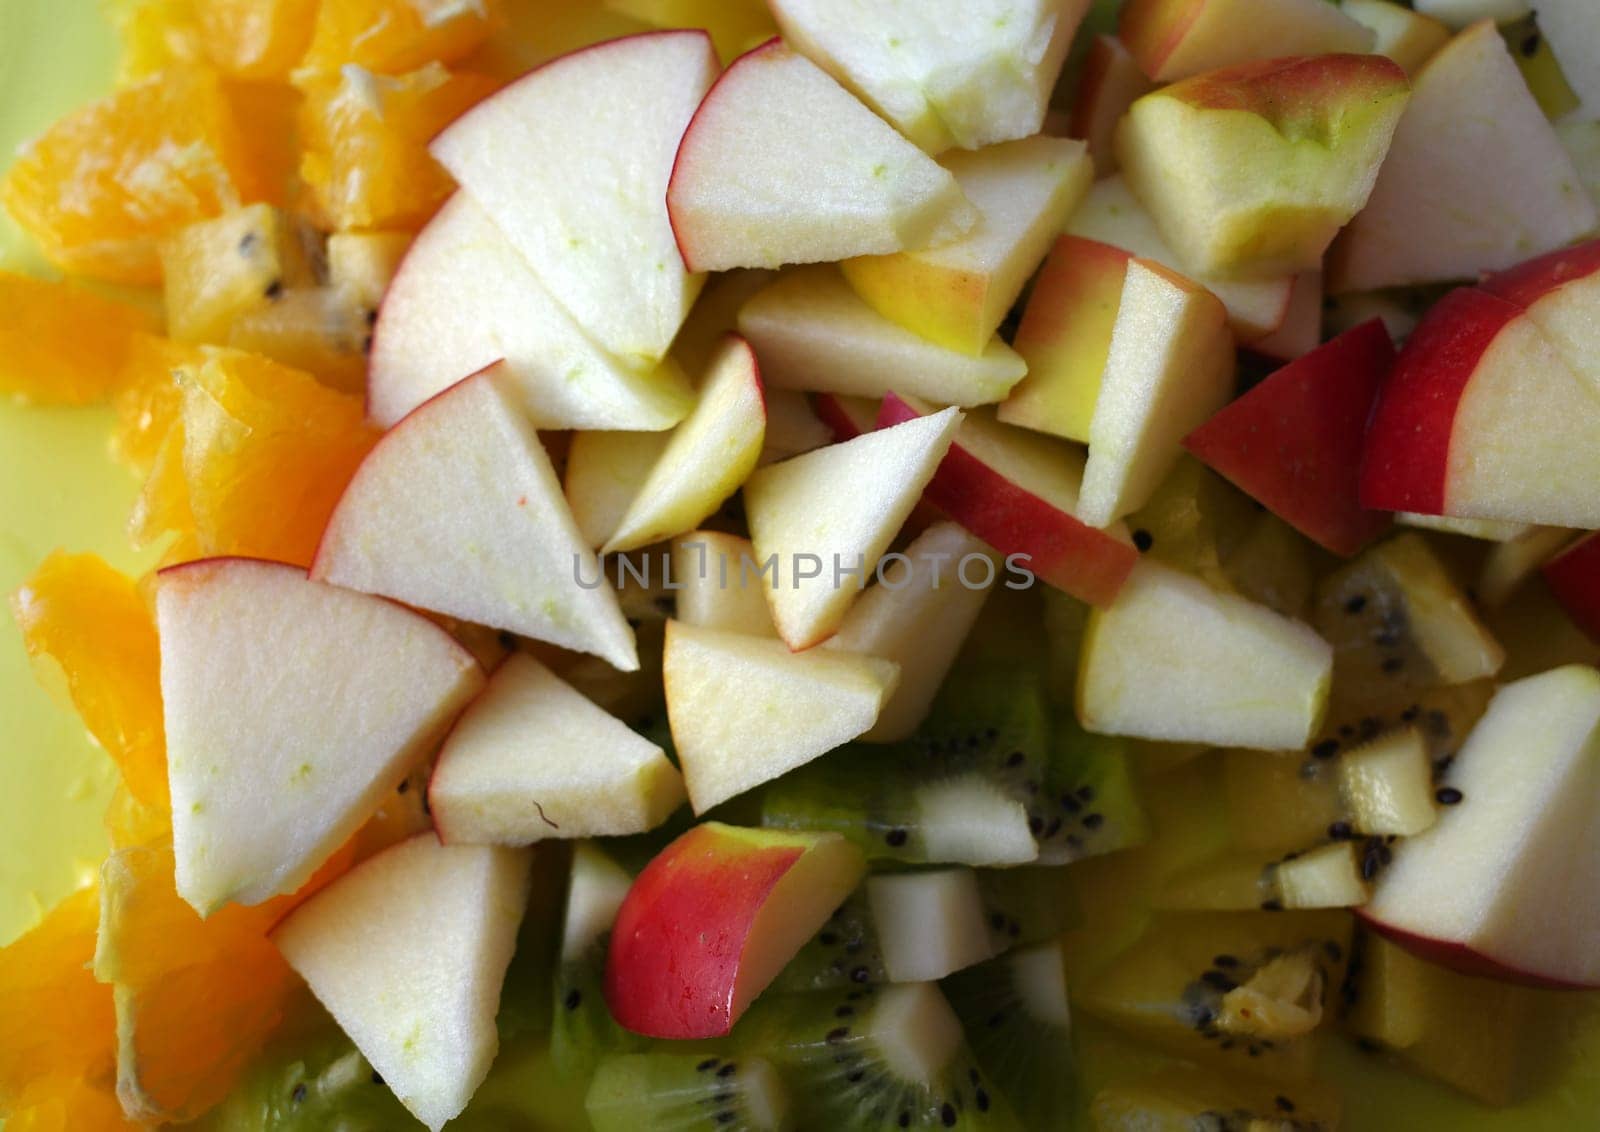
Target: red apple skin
[679,938]
[1151,29]
[1406,462]
[1072,556]
[1461,958]
[840,418]
[1294,442]
[1574,578]
[1528,282]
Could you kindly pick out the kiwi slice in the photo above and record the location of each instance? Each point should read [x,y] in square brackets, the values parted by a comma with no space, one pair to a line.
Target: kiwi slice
[686,1092]
[1015,1014]
[874,1058]
[1240,989]
[992,766]
[1191,1100]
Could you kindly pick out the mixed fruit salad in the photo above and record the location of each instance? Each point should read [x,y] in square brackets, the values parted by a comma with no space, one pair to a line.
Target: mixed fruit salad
[826,564]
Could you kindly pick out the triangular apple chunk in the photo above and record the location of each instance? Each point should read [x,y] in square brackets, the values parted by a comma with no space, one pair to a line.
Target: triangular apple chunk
[408,952]
[457,510]
[291,709]
[532,759]
[577,182]
[782,165]
[745,709]
[463,298]
[822,520]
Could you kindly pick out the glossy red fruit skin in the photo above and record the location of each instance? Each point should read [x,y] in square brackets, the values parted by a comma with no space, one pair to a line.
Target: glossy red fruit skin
[1071,555]
[1529,282]
[1462,959]
[680,935]
[1294,442]
[1406,462]
[1574,578]
[839,419]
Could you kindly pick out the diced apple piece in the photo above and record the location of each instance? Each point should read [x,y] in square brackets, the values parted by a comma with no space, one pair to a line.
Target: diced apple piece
[596,888]
[1489,530]
[1511,563]
[533,759]
[1559,292]
[458,510]
[945,73]
[719,586]
[1387,784]
[1328,876]
[847,417]
[1469,101]
[463,298]
[604,473]
[1111,214]
[713,918]
[824,519]
[1173,39]
[1170,366]
[408,952]
[707,457]
[1065,337]
[1574,578]
[745,709]
[812,332]
[1409,38]
[577,183]
[1301,330]
[957,294]
[1294,442]
[292,708]
[1175,660]
[1573,33]
[929,924]
[1252,170]
[1506,881]
[1111,82]
[793,427]
[918,615]
[1483,417]
[782,165]
[1462,13]
[1018,492]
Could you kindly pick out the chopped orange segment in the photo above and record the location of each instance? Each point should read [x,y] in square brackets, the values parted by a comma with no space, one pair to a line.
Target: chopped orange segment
[272,142]
[156,36]
[257,39]
[257,463]
[366,140]
[78,1107]
[57,1026]
[130,822]
[100,187]
[149,399]
[60,344]
[89,623]
[393,36]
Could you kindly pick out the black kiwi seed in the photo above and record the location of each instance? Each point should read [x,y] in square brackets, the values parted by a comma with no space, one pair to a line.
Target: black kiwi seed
[1529,45]
[1143,540]
[1340,831]
[1333,950]
[1016,758]
[844,1012]
[1086,793]
[859,974]
[1284,1104]
[837,1035]
[405,784]
[828,939]
[1224,961]
[895,838]
[905,1120]
[1449,796]
[1055,826]
[1070,804]
[707,1065]
[990,734]
[1093,821]
[1355,604]
[377,1078]
[947,1115]
[1272,905]
[1393,664]
[981,1099]
[573,1000]
[1035,825]
[298,1093]
[728,1070]
[1325,749]
[1411,713]
[1219,981]
[274,289]
[726,1117]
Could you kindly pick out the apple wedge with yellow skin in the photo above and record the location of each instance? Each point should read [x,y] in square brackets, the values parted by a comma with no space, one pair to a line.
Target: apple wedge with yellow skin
[1111,82]
[824,519]
[813,333]
[576,183]
[745,709]
[1174,660]
[603,475]
[782,165]
[1250,171]
[1065,337]
[1169,367]
[1018,492]
[715,576]
[1470,104]
[707,456]
[457,510]
[1111,214]
[1507,881]
[1173,39]
[919,621]
[463,299]
[1409,38]
[713,918]
[957,294]
[291,709]
[533,759]
[408,951]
